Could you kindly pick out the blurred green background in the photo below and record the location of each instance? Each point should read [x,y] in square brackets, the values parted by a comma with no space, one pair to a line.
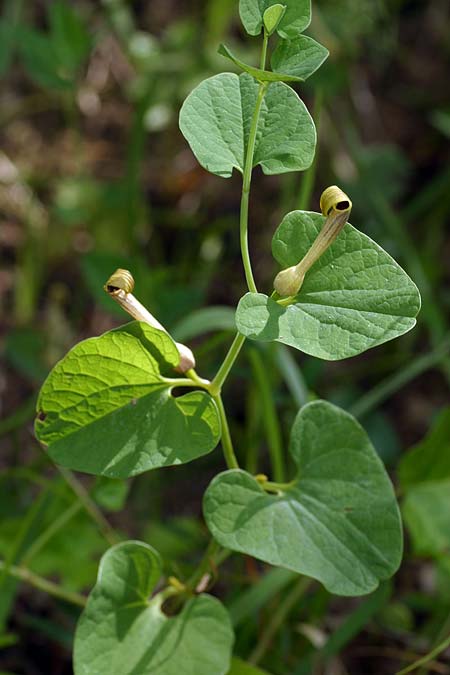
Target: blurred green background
[94,174]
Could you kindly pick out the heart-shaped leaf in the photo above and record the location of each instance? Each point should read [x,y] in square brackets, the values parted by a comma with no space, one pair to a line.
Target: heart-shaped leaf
[106,408]
[337,522]
[298,58]
[124,632]
[295,20]
[353,298]
[215,120]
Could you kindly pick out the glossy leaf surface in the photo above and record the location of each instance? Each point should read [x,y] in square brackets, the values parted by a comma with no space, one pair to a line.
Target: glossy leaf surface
[337,522]
[106,408]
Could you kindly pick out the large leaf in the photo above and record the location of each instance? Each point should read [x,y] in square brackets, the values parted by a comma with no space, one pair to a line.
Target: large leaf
[107,407]
[337,522]
[355,296]
[298,58]
[216,117]
[430,459]
[123,631]
[296,19]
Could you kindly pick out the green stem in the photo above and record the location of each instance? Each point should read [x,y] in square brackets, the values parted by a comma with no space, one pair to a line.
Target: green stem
[262,64]
[42,584]
[270,418]
[227,443]
[278,618]
[224,370]
[248,168]
[204,566]
[105,528]
[428,657]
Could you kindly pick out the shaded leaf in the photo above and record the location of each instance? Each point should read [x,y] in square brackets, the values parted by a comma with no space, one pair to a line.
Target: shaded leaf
[430,459]
[107,409]
[295,20]
[124,632]
[426,510]
[239,667]
[337,522]
[298,58]
[215,120]
[353,298]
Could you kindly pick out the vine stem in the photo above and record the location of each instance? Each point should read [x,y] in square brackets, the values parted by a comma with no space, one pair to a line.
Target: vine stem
[42,584]
[224,370]
[248,168]
[427,658]
[227,443]
[204,566]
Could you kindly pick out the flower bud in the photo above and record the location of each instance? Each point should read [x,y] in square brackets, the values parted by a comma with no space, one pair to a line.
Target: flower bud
[336,206]
[119,287]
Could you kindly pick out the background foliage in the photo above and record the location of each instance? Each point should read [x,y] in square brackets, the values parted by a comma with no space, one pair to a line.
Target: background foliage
[94,174]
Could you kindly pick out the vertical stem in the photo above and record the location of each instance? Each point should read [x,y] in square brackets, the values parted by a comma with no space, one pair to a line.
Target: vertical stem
[248,167]
[262,64]
[224,370]
[227,443]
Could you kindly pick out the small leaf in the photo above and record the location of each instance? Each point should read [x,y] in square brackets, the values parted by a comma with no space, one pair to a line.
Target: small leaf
[298,58]
[430,459]
[257,73]
[106,408]
[353,298]
[295,20]
[215,120]
[272,17]
[123,631]
[337,522]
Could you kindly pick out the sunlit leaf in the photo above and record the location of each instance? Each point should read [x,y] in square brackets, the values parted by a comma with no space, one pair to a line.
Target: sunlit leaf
[353,298]
[216,117]
[107,407]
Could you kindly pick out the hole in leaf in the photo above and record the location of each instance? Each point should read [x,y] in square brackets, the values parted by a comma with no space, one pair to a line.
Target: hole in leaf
[41,415]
